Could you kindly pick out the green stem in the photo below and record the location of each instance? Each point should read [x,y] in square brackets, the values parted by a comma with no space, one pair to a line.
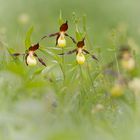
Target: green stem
[90,77]
[81,74]
[63,65]
[117,63]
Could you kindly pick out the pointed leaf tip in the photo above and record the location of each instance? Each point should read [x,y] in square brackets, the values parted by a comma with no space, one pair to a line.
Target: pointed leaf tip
[28,37]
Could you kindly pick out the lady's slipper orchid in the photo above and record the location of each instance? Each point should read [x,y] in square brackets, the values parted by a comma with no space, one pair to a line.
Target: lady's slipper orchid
[80,51]
[127,60]
[30,56]
[31,60]
[60,36]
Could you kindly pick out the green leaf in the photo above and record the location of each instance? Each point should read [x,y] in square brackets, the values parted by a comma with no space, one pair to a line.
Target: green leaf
[10,50]
[28,37]
[60,20]
[38,71]
[79,35]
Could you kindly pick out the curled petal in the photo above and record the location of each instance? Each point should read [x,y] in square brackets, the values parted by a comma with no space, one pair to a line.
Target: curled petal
[40,60]
[55,34]
[70,38]
[69,52]
[34,47]
[87,52]
[81,44]
[17,54]
[64,27]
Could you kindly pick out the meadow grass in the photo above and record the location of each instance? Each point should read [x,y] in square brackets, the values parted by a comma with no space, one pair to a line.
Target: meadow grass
[65,100]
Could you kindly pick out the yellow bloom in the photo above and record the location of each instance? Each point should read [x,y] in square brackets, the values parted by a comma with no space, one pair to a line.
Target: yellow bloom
[62,40]
[128,64]
[80,58]
[117,90]
[31,60]
[135,85]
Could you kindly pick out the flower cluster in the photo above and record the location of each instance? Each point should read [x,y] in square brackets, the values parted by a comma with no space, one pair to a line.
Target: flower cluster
[30,55]
[127,60]
[80,51]
[125,73]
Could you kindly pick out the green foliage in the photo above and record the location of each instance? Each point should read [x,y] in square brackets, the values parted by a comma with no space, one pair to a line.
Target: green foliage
[28,37]
[60,20]
[67,101]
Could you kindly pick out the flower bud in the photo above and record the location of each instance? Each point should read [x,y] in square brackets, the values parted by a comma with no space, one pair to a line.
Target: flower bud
[80,58]
[128,64]
[31,60]
[117,90]
[61,40]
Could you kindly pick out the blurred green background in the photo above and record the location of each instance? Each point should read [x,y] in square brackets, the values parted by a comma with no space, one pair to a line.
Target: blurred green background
[101,16]
[33,108]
